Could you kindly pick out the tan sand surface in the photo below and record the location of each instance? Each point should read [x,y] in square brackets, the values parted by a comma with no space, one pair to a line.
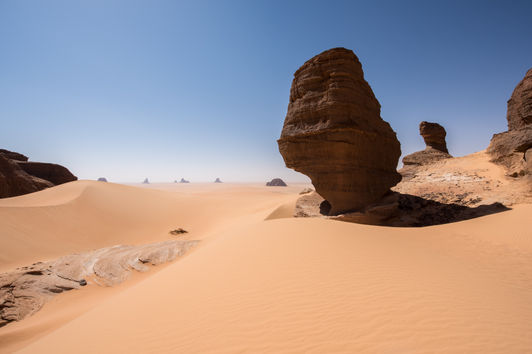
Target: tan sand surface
[282,285]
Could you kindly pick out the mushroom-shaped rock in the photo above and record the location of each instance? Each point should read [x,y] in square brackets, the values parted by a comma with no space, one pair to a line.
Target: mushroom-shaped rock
[512,148]
[276,182]
[333,132]
[436,148]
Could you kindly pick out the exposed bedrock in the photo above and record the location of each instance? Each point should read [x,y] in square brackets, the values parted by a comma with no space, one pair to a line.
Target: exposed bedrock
[52,172]
[333,132]
[513,148]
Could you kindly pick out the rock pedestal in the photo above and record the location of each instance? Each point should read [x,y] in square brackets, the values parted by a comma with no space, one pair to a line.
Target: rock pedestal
[436,148]
[333,132]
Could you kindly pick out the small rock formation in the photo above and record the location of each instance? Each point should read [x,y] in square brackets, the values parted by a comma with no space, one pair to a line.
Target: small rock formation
[334,134]
[436,147]
[102,179]
[217,180]
[19,176]
[184,181]
[25,290]
[276,182]
[513,148]
[146,181]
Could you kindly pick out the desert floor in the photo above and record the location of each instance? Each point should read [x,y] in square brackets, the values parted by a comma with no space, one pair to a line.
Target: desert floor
[262,281]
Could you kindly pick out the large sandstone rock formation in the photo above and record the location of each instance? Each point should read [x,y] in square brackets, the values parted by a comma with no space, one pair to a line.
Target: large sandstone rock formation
[513,149]
[19,176]
[436,148]
[334,134]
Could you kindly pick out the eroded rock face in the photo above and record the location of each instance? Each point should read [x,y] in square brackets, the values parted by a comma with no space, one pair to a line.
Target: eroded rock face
[14,181]
[434,135]
[334,134]
[13,155]
[436,148]
[511,149]
[25,290]
[519,112]
[52,172]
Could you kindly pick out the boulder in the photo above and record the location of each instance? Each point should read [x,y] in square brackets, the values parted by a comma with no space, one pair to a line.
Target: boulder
[276,182]
[333,132]
[512,148]
[52,172]
[436,148]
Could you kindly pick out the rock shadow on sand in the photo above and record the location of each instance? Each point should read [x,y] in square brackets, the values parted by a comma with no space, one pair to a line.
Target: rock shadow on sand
[399,210]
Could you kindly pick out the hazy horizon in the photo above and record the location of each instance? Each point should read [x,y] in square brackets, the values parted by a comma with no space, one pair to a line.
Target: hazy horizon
[166,90]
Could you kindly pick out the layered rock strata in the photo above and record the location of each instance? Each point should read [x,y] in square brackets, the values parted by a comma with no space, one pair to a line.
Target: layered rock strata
[436,147]
[513,148]
[333,132]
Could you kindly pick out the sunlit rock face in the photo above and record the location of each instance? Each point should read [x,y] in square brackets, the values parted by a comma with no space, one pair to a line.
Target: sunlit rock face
[513,148]
[333,132]
[436,148]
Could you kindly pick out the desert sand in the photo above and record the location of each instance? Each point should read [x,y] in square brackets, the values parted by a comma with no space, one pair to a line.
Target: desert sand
[262,281]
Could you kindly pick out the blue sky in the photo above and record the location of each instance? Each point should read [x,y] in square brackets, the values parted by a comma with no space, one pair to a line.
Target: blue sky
[199,89]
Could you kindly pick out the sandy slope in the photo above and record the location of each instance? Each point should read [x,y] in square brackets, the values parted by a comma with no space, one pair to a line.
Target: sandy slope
[276,285]
[85,215]
[310,285]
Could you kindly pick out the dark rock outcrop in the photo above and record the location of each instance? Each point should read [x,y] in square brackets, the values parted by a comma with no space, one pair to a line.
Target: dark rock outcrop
[14,181]
[334,134]
[184,181]
[513,149]
[218,180]
[519,114]
[52,172]
[276,182]
[436,148]
[146,181]
[102,179]
[19,176]
[13,155]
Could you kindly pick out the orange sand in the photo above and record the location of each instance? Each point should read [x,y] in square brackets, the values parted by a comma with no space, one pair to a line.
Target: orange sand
[281,285]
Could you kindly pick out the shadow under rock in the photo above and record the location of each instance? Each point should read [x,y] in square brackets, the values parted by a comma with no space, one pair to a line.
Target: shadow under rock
[400,210]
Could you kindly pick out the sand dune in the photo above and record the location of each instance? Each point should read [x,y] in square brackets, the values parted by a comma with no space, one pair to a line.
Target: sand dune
[309,285]
[260,281]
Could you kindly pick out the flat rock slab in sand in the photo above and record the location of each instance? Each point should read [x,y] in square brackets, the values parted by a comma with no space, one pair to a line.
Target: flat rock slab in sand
[25,290]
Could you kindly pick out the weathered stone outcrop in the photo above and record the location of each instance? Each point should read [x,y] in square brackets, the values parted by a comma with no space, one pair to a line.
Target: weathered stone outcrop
[276,182]
[436,148]
[519,114]
[102,179]
[19,176]
[15,181]
[217,180]
[25,290]
[184,181]
[13,155]
[513,149]
[334,134]
[52,172]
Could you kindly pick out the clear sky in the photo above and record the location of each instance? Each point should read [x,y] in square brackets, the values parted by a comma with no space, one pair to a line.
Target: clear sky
[199,89]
